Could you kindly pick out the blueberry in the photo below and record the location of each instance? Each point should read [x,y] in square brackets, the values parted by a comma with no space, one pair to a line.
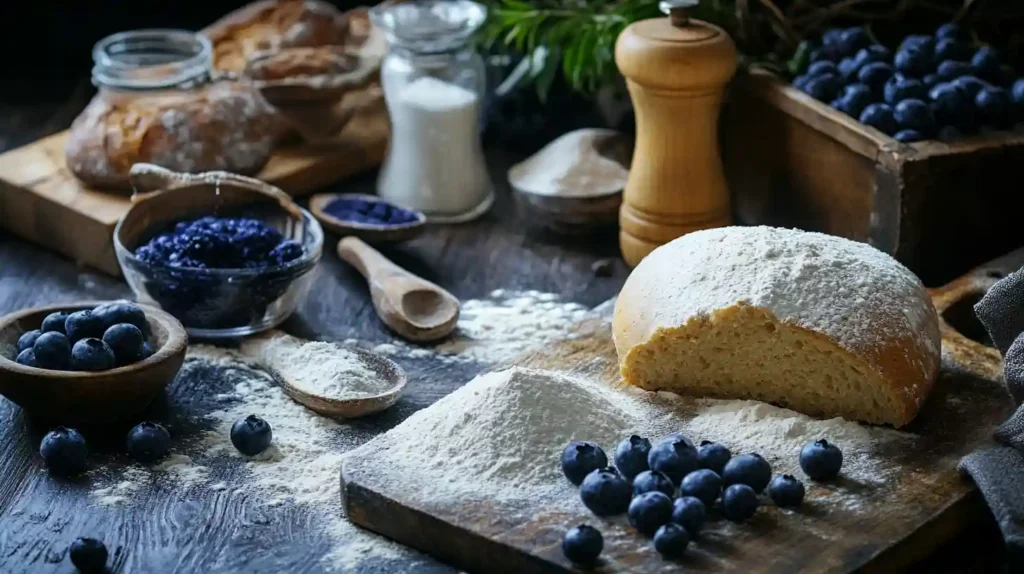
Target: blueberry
[970,85]
[824,88]
[63,451]
[800,82]
[951,30]
[713,455]
[52,350]
[739,502]
[580,459]
[985,64]
[92,355]
[605,492]
[1017,92]
[146,352]
[917,42]
[649,511]
[749,469]
[119,312]
[831,36]
[951,106]
[704,484]
[950,133]
[671,540]
[875,75]
[914,61]
[995,106]
[821,68]
[931,80]
[952,49]
[830,53]
[82,324]
[786,491]
[651,481]
[252,435]
[88,555]
[951,70]
[27,339]
[125,340]
[27,358]
[880,117]
[853,39]
[915,115]
[54,322]
[854,99]
[908,136]
[582,545]
[900,88]
[874,53]
[148,442]
[821,460]
[848,68]
[675,456]
[690,513]
[631,456]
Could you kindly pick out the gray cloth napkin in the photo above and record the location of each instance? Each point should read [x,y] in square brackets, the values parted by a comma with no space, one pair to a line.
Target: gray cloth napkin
[998,469]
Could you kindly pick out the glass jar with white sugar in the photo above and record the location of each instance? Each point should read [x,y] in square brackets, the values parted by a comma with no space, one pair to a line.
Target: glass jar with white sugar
[434,84]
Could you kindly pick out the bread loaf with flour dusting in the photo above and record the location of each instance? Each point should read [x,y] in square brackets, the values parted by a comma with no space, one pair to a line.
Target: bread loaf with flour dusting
[820,324]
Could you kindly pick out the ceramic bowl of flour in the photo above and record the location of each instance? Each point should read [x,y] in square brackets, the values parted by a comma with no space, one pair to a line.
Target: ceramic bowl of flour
[574,184]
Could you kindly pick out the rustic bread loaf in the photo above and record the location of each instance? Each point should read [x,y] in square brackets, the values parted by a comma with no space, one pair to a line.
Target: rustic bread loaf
[222,126]
[820,324]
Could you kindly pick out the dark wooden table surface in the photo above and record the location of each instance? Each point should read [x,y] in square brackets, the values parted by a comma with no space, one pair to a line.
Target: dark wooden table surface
[40,516]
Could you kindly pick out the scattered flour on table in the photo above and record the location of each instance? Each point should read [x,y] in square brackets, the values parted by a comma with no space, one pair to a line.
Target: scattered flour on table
[500,437]
[128,483]
[178,469]
[498,328]
[317,367]
[303,463]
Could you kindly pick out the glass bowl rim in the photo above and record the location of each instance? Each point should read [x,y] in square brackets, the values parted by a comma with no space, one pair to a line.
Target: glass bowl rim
[313,249]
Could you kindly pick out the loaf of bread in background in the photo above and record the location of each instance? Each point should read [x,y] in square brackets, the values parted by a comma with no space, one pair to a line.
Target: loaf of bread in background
[222,126]
[820,324]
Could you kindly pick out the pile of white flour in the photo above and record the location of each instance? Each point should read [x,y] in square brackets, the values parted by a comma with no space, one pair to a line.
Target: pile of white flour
[500,436]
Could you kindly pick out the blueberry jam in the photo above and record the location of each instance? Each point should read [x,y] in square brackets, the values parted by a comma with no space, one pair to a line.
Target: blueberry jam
[181,257]
[368,211]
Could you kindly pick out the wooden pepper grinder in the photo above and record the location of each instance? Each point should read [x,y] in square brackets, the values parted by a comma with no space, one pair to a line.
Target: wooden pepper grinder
[676,69]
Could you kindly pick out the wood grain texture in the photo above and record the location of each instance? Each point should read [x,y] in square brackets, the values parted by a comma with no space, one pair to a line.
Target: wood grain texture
[940,208]
[676,77]
[924,504]
[42,202]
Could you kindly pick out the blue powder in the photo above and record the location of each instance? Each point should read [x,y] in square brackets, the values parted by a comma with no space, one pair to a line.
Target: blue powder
[368,211]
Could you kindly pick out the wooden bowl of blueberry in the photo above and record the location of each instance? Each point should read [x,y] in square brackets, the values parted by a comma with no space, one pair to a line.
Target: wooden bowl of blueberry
[92,362]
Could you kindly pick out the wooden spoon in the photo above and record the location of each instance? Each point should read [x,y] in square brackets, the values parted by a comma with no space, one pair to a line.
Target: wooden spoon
[413,307]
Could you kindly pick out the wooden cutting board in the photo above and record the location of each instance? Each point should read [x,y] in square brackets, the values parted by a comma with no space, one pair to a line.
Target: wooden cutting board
[924,504]
[41,200]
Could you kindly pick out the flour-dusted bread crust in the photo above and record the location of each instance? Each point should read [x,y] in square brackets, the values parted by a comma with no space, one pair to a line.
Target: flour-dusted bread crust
[820,324]
[224,126]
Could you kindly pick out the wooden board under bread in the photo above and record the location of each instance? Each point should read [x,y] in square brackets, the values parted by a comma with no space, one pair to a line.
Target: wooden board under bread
[41,201]
[891,528]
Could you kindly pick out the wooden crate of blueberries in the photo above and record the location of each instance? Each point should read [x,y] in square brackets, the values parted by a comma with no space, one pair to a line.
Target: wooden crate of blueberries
[909,145]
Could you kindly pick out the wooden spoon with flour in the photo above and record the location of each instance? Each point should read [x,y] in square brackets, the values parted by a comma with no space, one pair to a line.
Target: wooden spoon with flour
[328,378]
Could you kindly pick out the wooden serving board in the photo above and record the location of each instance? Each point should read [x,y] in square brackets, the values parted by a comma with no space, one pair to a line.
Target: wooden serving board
[923,504]
[41,200]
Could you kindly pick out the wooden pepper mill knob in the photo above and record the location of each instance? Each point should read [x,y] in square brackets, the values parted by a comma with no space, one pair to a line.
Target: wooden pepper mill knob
[676,69]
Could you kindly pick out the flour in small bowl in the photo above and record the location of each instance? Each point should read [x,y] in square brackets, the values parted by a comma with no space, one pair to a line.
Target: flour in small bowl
[317,367]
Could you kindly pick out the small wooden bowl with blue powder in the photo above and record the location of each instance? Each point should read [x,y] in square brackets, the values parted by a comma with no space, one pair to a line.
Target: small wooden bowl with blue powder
[367,217]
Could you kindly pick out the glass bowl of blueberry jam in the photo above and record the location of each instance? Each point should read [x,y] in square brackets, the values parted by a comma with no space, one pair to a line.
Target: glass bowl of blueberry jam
[242,270]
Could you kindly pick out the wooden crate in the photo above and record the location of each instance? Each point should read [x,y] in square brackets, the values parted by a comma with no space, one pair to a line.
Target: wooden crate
[940,208]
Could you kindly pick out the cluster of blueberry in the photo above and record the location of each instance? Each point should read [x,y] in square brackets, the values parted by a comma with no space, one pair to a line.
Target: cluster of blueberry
[645,479]
[933,87]
[220,243]
[374,212]
[111,335]
[64,450]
